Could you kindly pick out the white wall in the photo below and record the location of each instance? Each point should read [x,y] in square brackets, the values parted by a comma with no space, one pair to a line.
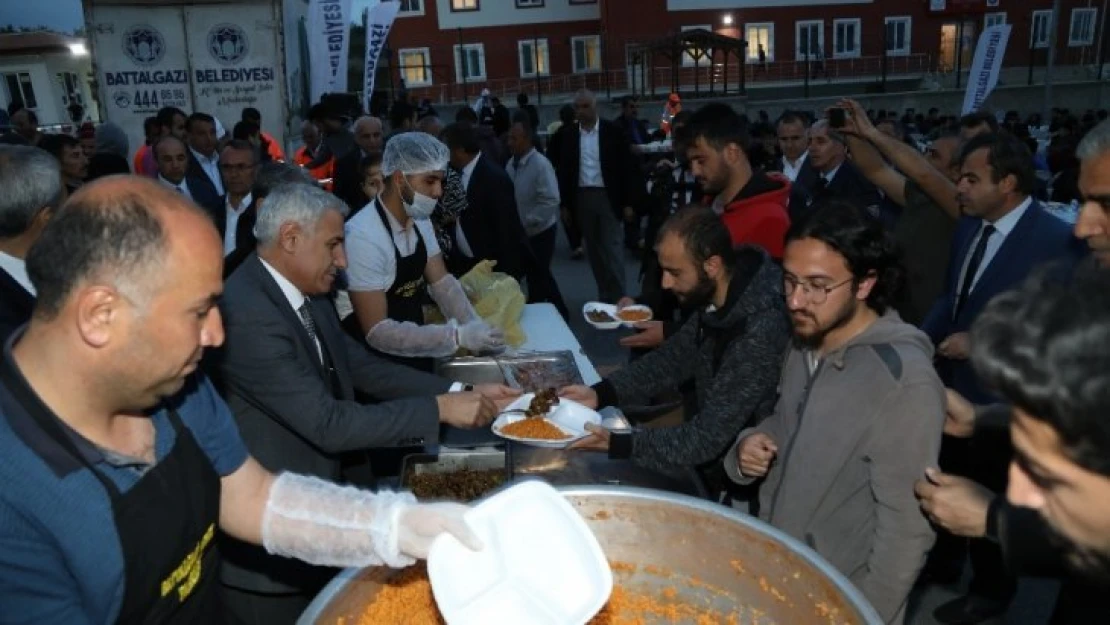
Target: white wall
[48,104]
[699,5]
[505,13]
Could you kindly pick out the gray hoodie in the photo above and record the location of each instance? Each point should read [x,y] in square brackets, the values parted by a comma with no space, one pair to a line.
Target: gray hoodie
[852,438]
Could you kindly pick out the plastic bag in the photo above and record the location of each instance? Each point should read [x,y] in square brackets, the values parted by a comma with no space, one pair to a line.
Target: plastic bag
[496,298]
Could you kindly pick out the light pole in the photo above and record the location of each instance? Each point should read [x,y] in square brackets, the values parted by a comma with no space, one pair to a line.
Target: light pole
[1047,107]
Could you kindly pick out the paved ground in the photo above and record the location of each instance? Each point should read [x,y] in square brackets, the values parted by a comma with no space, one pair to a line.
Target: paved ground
[1035,598]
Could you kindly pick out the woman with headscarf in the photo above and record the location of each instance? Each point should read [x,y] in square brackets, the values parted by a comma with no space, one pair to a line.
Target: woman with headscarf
[111,152]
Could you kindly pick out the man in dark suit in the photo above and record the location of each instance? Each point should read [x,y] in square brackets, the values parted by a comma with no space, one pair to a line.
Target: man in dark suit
[32,185]
[289,374]
[172,159]
[204,159]
[1004,236]
[236,212]
[828,175]
[600,180]
[489,228]
[348,174]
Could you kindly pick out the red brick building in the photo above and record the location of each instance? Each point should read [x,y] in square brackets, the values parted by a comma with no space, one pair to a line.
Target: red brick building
[445,48]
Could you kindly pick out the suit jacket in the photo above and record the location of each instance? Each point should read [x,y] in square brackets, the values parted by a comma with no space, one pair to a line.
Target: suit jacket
[1037,238]
[849,185]
[348,181]
[631,127]
[195,171]
[244,234]
[204,194]
[619,167]
[16,305]
[491,222]
[296,414]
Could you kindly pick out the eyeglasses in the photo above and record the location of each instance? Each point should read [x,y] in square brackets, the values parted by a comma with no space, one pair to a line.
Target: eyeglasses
[814,294]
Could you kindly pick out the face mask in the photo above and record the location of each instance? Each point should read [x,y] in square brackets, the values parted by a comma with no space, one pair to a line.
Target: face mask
[422,205]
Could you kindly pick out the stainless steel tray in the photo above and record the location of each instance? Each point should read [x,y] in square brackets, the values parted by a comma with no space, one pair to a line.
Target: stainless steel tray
[450,461]
[556,368]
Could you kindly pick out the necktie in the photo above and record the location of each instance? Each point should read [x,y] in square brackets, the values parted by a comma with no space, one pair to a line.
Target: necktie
[973,267]
[310,326]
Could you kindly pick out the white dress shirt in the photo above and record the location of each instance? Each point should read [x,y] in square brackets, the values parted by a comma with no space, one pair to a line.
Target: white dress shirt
[211,167]
[791,170]
[589,160]
[831,174]
[295,298]
[460,236]
[183,187]
[17,269]
[231,221]
[1002,229]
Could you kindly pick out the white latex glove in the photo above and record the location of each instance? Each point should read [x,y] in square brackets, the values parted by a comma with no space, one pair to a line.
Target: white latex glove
[451,298]
[478,336]
[420,524]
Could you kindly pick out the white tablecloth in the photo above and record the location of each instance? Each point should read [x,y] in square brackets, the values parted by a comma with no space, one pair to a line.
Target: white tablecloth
[545,331]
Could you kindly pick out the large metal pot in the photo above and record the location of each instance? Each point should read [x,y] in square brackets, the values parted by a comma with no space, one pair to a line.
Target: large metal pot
[712,556]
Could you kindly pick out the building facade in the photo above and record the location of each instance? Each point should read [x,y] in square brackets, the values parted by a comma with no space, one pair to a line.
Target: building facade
[448,50]
[48,73]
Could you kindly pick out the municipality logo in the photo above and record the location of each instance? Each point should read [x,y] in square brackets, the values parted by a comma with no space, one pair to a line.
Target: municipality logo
[144,45]
[227,43]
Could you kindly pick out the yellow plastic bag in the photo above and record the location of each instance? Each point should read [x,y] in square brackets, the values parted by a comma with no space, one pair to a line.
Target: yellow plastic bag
[496,298]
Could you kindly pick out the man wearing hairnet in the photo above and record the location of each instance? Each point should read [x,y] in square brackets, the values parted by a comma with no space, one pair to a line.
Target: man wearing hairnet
[394,264]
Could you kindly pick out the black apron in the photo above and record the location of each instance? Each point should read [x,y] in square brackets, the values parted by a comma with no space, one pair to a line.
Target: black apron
[166,525]
[406,298]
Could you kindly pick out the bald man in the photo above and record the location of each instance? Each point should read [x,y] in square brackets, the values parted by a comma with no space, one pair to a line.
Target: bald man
[348,175]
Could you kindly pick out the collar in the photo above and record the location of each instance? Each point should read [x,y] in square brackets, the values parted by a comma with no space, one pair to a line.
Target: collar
[831,174]
[796,165]
[593,131]
[469,168]
[213,160]
[394,225]
[758,184]
[184,185]
[244,204]
[17,269]
[1006,224]
[292,294]
[524,159]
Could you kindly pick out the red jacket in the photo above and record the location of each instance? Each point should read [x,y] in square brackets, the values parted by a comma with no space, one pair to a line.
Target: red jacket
[757,215]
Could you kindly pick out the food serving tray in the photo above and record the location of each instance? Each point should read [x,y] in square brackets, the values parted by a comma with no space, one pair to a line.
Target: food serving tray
[527,371]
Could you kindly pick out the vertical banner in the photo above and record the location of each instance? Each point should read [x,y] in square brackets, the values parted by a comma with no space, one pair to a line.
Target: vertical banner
[329,43]
[986,66]
[378,23]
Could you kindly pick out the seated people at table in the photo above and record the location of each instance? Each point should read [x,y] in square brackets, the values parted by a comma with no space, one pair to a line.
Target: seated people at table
[290,374]
[119,461]
[859,414]
[395,263]
[33,191]
[731,348]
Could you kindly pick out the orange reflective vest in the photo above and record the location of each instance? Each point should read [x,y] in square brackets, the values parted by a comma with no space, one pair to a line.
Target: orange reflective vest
[323,172]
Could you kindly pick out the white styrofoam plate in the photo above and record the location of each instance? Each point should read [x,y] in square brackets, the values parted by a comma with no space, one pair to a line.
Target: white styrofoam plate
[569,416]
[605,308]
[540,565]
[632,324]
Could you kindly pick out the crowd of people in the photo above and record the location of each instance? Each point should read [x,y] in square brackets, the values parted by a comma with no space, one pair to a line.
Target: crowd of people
[858,308]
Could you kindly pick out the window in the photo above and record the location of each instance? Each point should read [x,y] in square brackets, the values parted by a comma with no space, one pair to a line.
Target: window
[809,37]
[464,5]
[994,19]
[898,36]
[470,62]
[697,56]
[528,4]
[586,53]
[20,89]
[70,87]
[846,38]
[760,36]
[411,7]
[416,66]
[533,58]
[1082,32]
[1042,28]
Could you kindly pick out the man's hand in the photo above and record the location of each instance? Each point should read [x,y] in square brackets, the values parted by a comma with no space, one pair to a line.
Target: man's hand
[500,394]
[956,347]
[625,302]
[857,122]
[650,335]
[629,214]
[466,410]
[959,415]
[598,440]
[420,524]
[581,394]
[755,454]
[956,504]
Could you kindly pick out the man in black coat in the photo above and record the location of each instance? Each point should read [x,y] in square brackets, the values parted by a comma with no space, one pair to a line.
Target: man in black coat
[32,182]
[348,174]
[600,179]
[831,177]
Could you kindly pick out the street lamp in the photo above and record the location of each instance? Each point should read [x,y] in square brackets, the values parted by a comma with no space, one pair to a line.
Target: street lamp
[78,49]
[727,19]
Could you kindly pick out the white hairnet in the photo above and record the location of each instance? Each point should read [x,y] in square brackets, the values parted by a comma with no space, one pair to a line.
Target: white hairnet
[414,153]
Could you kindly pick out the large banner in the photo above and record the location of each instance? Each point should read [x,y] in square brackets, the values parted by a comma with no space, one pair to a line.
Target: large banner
[986,66]
[378,23]
[329,43]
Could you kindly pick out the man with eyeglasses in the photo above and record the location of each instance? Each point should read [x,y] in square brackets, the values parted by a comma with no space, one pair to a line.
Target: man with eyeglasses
[859,414]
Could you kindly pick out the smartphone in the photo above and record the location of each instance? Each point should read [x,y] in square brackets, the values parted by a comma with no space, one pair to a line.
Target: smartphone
[837,117]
